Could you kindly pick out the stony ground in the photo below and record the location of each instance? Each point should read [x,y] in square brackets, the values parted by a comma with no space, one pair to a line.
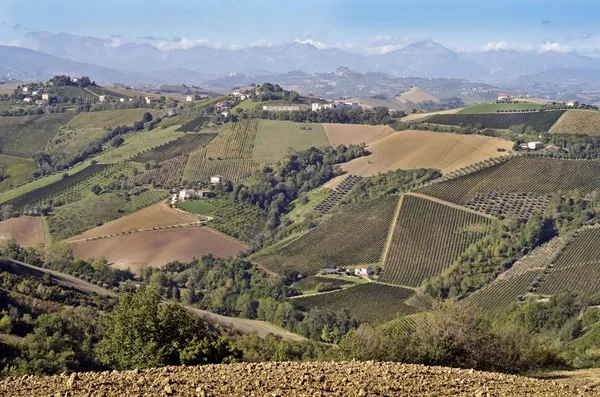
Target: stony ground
[289,379]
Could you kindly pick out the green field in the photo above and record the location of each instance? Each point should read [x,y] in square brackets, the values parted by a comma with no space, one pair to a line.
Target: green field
[275,139]
[539,121]
[301,212]
[183,145]
[354,236]
[493,107]
[73,91]
[201,207]
[25,136]
[427,238]
[368,303]
[16,170]
[533,174]
[109,118]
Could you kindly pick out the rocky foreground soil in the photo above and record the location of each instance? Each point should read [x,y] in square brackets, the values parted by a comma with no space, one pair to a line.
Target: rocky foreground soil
[289,379]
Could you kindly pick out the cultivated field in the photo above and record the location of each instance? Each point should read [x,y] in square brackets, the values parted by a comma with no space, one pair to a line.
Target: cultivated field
[539,121]
[275,139]
[533,174]
[413,149]
[183,145]
[353,134]
[16,170]
[368,303]
[200,168]
[578,122]
[194,125]
[415,95]
[417,116]
[427,238]
[25,136]
[354,236]
[110,118]
[167,172]
[494,107]
[156,248]
[577,269]
[27,231]
[310,284]
[156,215]
[236,142]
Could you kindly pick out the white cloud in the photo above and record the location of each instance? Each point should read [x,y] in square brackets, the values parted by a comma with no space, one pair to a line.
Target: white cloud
[506,46]
[553,46]
[319,44]
[185,44]
[12,43]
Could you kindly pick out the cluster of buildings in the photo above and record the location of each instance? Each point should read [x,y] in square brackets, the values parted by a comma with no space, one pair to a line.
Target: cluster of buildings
[532,146]
[34,95]
[274,108]
[335,105]
[241,94]
[358,271]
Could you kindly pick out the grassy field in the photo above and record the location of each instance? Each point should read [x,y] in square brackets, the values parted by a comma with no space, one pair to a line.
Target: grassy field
[578,122]
[493,107]
[540,175]
[137,143]
[109,118]
[412,149]
[72,91]
[200,168]
[539,121]
[427,238]
[183,145]
[300,212]
[354,236]
[16,170]
[275,139]
[201,207]
[25,136]
[368,303]
[68,141]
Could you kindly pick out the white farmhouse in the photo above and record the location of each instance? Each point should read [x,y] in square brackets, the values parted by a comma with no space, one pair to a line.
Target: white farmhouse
[27,99]
[535,145]
[187,194]
[102,98]
[572,104]
[216,179]
[504,97]
[189,98]
[363,271]
[45,97]
[25,89]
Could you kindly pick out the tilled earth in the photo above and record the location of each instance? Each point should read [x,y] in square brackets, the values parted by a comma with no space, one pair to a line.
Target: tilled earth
[289,379]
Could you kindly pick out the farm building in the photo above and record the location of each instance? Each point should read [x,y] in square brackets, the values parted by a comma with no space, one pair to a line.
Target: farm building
[25,89]
[572,104]
[503,97]
[216,179]
[328,270]
[45,97]
[102,98]
[240,94]
[363,271]
[34,93]
[187,194]
[221,105]
[535,145]
[121,100]
[27,99]
[204,193]
[172,112]
[189,98]
[318,106]
[281,108]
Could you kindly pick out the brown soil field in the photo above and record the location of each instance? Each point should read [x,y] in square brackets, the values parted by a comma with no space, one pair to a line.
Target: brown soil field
[158,247]
[156,215]
[412,149]
[289,379]
[416,116]
[27,231]
[347,134]
[415,95]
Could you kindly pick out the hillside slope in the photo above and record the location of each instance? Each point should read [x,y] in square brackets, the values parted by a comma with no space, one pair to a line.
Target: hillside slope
[290,379]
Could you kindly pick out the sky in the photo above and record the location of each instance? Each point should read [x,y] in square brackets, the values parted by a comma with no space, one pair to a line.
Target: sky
[368,26]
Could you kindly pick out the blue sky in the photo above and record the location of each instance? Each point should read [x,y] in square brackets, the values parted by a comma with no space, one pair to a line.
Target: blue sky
[361,25]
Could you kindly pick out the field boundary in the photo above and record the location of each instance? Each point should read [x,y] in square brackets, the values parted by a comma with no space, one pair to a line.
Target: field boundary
[148,229]
[449,204]
[390,235]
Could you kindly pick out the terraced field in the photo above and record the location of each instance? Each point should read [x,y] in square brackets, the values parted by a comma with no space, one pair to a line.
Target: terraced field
[577,269]
[184,145]
[539,121]
[578,122]
[354,236]
[25,136]
[533,174]
[427,238]
[368,303]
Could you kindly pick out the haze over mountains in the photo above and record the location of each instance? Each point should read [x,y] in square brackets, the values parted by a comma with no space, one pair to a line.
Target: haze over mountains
[134,63]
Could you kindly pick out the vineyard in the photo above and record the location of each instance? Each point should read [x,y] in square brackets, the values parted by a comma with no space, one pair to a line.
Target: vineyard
[578,122]
[184,145]
[109,118]
[534,174]
[26,136]
[236,218]
[496,107]
[147,198]
[167,173]
[368,303]
[234,143]
[56,187]
[539,121]
[503,292]
[337,194]
[311,283]
[354,236]
[427,238]
[577,269]
[499,204]
[194,125]
[541,257]
[199,167]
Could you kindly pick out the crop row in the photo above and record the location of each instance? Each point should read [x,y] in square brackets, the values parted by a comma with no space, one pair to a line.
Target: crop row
[367,303]
[194,125]
[427,238]
[353,236]
[500,204]
[539,121]
[337,195]
[534,174]
[199,168]
[237,218]
[578,122]
[167,173]
[234,143]
[184,145]
[146,198]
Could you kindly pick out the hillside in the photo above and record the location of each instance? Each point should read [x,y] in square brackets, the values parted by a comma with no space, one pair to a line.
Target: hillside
[291,379]
[416,95]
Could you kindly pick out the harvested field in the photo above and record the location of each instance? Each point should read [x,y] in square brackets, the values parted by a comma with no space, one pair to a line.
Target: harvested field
[291,379]
[275,139]
[156,215]
[156,248]
[27,231]
[415,95]
[346,134]
[417,116]
[413,149]
[578,122]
